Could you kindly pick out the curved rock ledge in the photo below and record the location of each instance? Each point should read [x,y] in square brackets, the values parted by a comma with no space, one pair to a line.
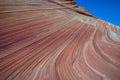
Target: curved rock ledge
[47,40]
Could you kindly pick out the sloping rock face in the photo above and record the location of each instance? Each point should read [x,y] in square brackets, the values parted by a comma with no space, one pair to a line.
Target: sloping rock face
[56,40]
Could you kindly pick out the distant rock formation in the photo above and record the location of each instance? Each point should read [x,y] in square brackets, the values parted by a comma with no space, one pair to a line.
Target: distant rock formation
[56,40]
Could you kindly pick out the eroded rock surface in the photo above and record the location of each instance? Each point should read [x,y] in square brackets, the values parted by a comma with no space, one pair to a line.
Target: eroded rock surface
[56,40]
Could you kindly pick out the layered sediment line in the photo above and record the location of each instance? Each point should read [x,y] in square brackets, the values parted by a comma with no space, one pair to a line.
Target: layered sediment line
[51,40]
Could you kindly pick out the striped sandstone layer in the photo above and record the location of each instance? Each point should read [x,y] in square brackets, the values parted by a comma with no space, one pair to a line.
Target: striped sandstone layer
[56,40]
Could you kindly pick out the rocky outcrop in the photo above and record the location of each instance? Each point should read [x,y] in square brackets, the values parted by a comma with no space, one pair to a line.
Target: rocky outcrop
[56,40]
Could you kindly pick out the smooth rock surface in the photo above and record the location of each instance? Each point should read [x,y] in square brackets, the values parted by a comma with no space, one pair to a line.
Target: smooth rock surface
[54,40]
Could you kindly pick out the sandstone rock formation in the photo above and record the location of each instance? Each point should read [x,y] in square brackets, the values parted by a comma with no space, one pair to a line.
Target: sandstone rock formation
[56,40]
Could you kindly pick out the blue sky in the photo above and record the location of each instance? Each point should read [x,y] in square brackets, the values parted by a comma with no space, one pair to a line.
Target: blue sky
[108,10]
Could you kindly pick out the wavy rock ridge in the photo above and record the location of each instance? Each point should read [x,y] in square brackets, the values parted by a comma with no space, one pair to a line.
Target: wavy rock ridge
[56,40]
